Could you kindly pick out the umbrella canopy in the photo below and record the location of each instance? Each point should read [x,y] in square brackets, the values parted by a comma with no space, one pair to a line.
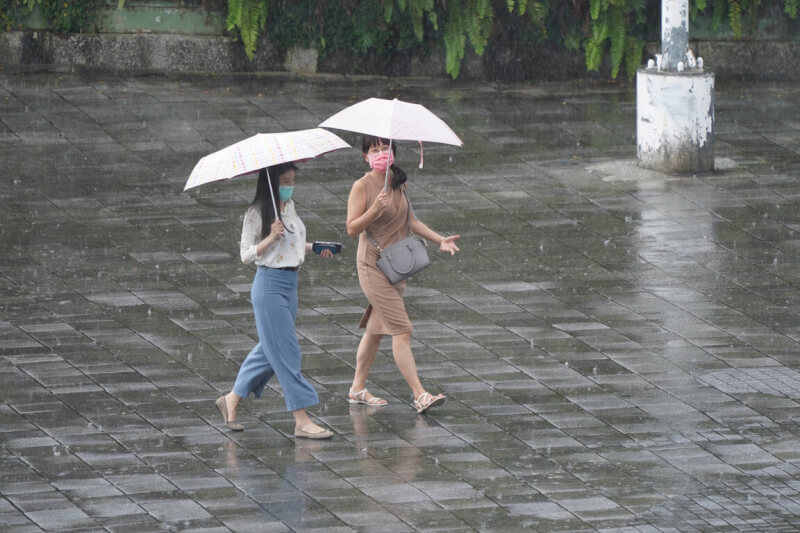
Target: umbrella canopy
[395,120]
[263,150]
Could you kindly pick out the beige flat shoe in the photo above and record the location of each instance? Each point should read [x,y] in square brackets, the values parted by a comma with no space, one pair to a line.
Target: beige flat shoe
[319,435]
[222,405]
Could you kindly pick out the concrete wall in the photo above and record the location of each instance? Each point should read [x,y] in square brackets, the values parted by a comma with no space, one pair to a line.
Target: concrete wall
[161,52]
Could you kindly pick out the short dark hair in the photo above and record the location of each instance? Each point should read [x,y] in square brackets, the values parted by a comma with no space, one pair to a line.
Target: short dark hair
[371,140]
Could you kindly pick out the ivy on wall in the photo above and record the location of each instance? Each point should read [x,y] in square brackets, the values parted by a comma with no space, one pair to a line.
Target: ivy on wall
[605,30]
[611,32]
[62,16]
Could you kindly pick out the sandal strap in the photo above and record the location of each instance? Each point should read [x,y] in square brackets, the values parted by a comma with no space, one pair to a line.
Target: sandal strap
[420,397]
[362,393]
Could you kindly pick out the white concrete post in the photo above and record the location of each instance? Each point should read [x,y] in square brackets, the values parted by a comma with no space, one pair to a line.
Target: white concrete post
[675,102]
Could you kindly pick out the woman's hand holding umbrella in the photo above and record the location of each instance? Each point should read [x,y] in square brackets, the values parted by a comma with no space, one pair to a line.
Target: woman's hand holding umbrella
[381,203]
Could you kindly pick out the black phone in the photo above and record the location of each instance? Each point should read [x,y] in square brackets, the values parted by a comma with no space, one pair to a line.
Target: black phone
[318,246]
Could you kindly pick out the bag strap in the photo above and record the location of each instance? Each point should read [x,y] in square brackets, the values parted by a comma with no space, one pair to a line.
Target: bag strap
[408,217]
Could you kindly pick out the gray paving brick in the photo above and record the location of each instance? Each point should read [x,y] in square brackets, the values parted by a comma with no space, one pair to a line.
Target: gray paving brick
[618,347]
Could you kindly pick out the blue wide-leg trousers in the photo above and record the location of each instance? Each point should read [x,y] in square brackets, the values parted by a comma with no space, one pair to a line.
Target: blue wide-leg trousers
[274,298]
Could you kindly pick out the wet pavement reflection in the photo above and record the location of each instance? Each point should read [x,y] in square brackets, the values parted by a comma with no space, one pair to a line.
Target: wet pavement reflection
[619,347]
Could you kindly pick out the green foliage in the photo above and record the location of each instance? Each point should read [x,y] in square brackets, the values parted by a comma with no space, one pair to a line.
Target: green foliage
[70,16]
[735,17]
[455,38]
[419,10]
[248,17]
[612,29]
[609,32]
[12,12]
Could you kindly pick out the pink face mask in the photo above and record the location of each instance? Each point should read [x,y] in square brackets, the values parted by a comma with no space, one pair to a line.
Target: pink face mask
[380,160]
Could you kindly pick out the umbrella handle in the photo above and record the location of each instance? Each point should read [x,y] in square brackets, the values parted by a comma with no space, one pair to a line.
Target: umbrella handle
[386,177]
[271,194]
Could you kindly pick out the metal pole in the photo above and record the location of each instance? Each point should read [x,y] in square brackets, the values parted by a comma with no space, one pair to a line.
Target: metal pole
[386,177]
[674,33]
[272,195]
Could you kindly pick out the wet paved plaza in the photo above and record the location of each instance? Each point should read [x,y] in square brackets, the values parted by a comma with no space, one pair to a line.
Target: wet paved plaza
[619,347]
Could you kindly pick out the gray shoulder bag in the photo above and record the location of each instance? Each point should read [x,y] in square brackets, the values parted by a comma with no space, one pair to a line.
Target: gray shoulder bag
[402,259]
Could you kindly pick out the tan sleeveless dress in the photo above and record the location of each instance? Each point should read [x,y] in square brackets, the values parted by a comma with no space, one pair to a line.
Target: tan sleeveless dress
[386,313]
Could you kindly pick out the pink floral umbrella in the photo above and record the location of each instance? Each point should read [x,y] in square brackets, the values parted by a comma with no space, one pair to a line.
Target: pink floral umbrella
[261,151]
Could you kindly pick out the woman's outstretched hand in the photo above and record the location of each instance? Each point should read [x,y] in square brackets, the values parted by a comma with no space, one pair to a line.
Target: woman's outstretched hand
[448,244]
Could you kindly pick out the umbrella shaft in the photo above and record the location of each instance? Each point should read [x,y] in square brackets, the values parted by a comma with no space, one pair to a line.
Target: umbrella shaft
[386,177]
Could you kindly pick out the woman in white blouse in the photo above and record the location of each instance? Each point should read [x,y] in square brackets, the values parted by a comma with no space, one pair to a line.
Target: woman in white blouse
[278,247]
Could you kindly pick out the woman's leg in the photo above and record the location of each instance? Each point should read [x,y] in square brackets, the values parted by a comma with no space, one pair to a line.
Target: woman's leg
[253,376]
[365,357]
[277,334]
[401,347]
[255,371]
[404,358]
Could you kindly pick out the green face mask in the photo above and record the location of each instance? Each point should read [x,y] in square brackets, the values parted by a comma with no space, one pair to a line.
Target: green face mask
[285,192]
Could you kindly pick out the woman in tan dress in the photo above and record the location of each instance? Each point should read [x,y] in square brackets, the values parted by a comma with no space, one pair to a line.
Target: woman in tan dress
[385,215]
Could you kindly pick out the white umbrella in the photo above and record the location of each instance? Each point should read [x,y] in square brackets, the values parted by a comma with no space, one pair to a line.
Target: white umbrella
[261,151]
[394,120]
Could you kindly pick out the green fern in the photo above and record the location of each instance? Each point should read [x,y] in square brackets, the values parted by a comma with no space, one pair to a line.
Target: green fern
[790,7]
[718,10]
[634,47]
[594,8]
[735,17]
[478,20]
[249,17]
[454,38]
[618,38]
[596,43]
[417,9]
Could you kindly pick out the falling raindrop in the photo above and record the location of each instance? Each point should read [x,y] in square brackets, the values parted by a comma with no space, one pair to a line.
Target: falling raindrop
[363,450]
